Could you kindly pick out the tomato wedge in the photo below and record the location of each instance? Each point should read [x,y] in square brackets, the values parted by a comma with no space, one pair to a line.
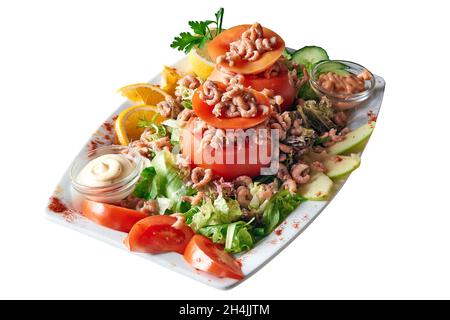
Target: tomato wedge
[204,111]
[205,255]
[191,142]
[111,216]
[281,84]
[158,234]
[221,44]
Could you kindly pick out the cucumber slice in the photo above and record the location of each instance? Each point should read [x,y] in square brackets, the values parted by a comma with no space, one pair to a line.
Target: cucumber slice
[309,55]
[354,140]
[341,72]
[340,166]
[318,188]
[332,66]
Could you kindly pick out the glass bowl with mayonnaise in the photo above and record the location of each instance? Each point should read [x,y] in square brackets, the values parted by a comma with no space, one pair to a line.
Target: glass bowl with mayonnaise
[347,84]
[107,174]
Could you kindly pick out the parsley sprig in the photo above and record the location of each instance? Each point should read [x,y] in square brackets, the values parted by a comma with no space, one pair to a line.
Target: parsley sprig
[201,33]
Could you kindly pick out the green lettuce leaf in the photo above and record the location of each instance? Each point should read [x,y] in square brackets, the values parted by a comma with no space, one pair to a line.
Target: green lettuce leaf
[189,213]
[278,208]
[220,212]
[164,204]
[201,218]
[146,188]
[234,236]
[225,211]
[216,233]
[161,181]
[170,183]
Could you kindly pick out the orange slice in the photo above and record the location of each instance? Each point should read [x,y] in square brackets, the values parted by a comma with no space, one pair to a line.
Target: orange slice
[127,124]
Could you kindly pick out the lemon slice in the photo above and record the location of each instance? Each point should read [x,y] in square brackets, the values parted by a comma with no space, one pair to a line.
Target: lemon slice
[169,79]
[127,124]
[143,93]
[200,62]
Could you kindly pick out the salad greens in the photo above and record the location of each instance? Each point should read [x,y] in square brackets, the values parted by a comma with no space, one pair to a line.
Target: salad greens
[175,131]
[147,187]
[186,95]
[317,116]
[203,32]
[234,236]
[158,130]
[219,220]
[161,181]
[220,212]
[279,207]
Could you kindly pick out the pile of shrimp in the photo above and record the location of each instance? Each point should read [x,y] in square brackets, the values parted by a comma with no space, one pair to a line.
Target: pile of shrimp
[236,101]
[249,47]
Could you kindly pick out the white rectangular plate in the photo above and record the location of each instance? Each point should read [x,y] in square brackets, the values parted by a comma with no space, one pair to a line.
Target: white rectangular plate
[252,260]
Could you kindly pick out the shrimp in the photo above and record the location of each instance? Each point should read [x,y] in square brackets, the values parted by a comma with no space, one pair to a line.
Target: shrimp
[290,185]
[184,117]
[266,191]
[283,172]
[190,82]
[160,144]
[194,200]
[150,207]
[300,173]
[318,166]
[245,181]
[243,196]
[169,108]
[201,177]
[211,93]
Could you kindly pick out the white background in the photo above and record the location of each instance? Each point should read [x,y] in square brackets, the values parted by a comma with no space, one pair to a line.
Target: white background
[387,233]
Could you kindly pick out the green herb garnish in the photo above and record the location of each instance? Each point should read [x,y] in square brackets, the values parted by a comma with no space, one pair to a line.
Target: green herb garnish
[159,130]
[187,104]
[202,33]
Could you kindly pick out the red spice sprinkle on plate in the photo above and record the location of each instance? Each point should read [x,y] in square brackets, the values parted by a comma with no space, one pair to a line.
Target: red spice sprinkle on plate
[279,231]
[57,206]
[93,144]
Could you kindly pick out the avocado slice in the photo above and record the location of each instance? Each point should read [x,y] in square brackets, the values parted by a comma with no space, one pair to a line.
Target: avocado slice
[339,166]
[354,140]
[318,188]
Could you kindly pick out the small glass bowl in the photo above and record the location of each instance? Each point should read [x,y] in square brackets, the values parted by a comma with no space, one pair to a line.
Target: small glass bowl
[342,101]
[116,191]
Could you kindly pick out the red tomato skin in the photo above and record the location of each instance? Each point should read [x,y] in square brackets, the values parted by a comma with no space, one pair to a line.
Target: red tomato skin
[202,254]
[229,171]
[281,85]
[156,234]
[110,216]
